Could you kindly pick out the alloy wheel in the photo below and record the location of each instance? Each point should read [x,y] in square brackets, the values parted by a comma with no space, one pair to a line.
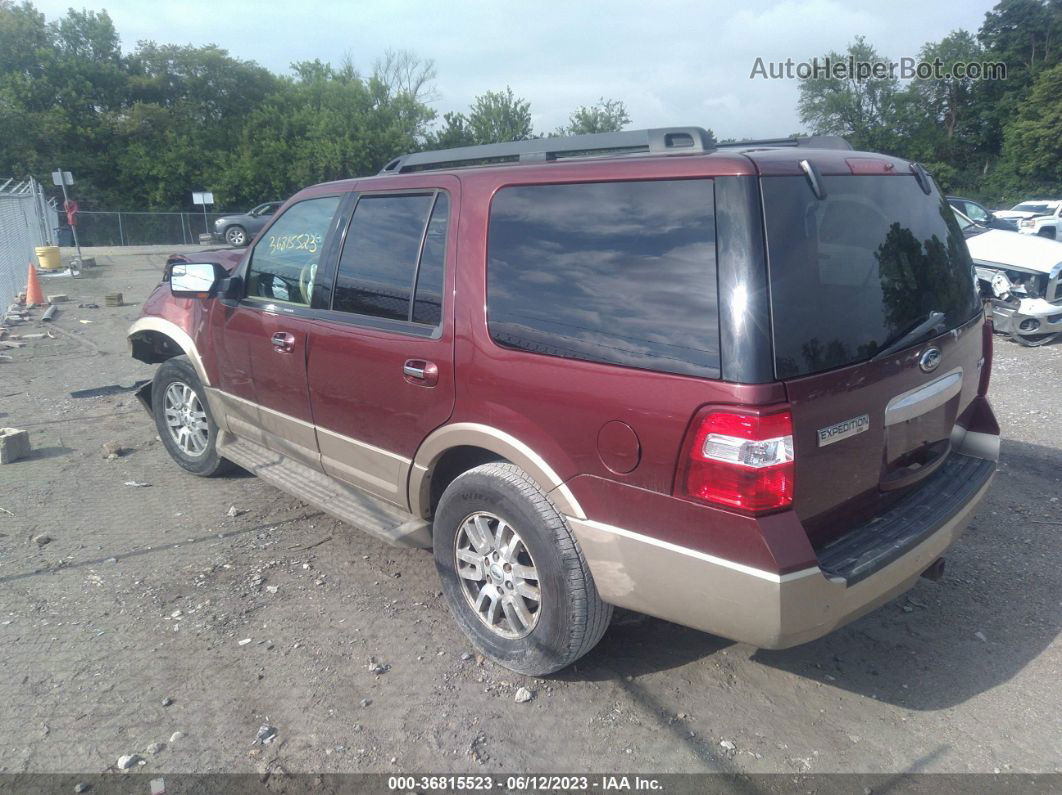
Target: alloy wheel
[186,419]
[498,576]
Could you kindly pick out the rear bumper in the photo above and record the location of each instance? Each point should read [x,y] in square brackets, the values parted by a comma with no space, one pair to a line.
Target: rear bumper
[766,609]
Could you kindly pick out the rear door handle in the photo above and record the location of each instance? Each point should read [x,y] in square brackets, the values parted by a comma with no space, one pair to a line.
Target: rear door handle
[420,372]
[284,342]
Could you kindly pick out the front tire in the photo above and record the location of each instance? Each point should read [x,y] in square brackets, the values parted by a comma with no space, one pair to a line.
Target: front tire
[236,236]
[513,574]
[183,419]
[1048,232]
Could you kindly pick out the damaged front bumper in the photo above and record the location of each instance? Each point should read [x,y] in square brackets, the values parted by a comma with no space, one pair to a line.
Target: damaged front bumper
[1026,304]
[1026,316]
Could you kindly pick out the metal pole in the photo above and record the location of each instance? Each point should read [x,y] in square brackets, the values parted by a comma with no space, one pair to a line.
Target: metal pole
[73,227]
[121,234]
[206,224]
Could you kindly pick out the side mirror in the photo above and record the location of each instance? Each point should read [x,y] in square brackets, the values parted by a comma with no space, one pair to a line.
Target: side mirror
[196,279]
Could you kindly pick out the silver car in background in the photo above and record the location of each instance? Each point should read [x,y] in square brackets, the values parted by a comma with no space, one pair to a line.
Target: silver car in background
[239,230]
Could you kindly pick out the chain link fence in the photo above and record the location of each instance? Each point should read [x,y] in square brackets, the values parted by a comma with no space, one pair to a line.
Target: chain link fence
[27,220]
[141,228]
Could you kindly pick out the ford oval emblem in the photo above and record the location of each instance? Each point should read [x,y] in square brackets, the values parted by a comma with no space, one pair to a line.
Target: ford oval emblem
[930,360]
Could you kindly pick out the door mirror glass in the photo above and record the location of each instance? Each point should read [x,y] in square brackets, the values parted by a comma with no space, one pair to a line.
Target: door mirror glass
[194,279]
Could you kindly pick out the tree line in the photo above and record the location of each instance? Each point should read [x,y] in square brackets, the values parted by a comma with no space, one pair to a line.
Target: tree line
[996,140]
[143,129]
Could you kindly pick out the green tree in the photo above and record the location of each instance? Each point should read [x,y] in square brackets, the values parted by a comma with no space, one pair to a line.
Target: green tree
[455,132]
[871,113]
[499,116]
[1032,149]
[606,115]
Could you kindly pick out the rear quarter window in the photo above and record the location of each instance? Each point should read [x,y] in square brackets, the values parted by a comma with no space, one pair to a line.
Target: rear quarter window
[614,272]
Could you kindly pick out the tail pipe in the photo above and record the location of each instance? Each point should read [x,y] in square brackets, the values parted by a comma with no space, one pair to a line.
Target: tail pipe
[936,571]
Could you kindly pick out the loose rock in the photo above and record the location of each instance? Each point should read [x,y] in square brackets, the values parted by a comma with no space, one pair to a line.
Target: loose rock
[266,735]
[726,745]
[42,539]
[81,786]
[154,748]
[127,761]
[523,695]
[111,450]
[167,701]
[175,737]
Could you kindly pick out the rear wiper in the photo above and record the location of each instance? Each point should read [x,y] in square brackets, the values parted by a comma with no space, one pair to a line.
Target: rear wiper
[911,337]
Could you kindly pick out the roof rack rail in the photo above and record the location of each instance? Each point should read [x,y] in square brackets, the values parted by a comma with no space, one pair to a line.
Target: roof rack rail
[661,140]
[804,142]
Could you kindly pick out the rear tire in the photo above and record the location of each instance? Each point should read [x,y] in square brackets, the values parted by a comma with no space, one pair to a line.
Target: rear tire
[478,517]
[183,419]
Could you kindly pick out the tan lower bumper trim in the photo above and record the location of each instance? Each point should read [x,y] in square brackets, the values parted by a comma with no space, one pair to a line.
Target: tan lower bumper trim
[740,602]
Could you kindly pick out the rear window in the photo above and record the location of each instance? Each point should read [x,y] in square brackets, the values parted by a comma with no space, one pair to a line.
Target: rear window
[613,272]
[853,272]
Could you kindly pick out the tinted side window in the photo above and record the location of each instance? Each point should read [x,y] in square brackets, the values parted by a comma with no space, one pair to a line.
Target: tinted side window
[618,272]
[379,260]
[284,262]
[427,304]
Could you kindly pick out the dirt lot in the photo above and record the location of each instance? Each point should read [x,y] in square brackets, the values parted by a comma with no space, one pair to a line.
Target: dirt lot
[152,610]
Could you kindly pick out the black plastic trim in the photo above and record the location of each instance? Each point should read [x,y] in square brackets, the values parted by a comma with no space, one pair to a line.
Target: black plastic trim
[745,344]
[875,544]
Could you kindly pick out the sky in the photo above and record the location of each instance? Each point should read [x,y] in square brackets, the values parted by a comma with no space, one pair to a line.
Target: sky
[672,62]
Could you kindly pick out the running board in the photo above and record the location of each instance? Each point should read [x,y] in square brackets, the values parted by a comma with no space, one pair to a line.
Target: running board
[346,503]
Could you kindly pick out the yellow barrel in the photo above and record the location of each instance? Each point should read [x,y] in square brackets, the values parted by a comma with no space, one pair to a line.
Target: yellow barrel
[48,257]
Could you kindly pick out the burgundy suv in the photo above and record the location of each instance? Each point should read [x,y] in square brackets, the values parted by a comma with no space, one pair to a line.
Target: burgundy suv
[741,388]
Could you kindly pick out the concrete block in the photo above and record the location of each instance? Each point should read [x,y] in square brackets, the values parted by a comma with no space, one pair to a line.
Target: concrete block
[14,444]
[58,298]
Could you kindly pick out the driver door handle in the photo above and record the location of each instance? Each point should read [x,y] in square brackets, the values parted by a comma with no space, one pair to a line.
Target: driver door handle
[283,342]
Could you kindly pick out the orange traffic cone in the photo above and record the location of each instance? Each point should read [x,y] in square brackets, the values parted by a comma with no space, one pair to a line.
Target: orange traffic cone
[34,293]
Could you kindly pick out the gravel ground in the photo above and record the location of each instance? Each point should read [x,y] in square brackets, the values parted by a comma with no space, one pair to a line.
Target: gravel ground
[174,618]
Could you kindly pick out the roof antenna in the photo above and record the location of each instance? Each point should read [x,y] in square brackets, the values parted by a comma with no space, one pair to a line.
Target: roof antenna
[814,179]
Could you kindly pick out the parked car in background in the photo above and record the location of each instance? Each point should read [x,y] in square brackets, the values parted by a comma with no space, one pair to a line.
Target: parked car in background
[239,230]
[1019,276]
[980,214]
[738,387]
[1035,217]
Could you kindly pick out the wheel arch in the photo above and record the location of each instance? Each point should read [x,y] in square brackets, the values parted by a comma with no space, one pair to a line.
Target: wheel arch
[454,449]
[153,340]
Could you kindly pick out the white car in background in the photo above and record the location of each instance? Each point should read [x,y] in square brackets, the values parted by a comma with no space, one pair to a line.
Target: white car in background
[1036,217]
[1020,276]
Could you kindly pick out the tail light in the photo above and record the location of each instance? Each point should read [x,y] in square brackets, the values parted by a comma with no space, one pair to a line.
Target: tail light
[741,460]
